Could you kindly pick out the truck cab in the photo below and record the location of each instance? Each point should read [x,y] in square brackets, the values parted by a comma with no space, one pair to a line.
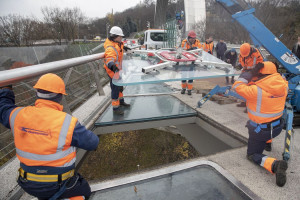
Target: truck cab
[154,38]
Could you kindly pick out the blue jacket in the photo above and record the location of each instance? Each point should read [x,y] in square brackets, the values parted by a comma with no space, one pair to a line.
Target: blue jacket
[82,138]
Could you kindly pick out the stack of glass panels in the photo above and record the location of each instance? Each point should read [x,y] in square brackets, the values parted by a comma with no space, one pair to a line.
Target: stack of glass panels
[132,74]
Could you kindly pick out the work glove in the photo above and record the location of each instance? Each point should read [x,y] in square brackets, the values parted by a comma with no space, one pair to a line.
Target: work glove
[246,75]
[121,88]
[7,87]
[277,65]
[114,68]
[257,68]
[192,48]
[239,67]
[126,48]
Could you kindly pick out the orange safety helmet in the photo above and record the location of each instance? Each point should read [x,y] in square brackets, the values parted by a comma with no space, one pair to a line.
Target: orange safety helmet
[269,68]
[192,34]
[52,83]
[245,49]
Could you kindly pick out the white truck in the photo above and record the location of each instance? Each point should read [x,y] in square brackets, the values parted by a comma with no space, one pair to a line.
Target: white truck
[154,38]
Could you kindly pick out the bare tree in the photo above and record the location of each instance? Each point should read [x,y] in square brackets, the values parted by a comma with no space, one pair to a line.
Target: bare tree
[12,29]
[30,31]
[200,28]
[63,23]
[18,30]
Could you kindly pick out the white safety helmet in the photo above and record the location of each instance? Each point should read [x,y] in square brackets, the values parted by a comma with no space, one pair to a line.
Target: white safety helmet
[115,30]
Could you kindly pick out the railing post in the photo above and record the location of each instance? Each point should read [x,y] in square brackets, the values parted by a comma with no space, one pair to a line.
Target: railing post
[97,80]
[64,101]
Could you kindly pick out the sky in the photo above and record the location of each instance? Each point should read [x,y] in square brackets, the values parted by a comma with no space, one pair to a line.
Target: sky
[90,8]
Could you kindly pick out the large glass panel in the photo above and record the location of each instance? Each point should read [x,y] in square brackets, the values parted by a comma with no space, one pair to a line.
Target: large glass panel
[16,57]
[202,182]
[159,88]
[132,68]
[147,108]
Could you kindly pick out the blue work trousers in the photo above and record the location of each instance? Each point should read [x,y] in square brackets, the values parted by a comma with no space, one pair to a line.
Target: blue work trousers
[257,140]
[189,81]
[75,186]
[115,90]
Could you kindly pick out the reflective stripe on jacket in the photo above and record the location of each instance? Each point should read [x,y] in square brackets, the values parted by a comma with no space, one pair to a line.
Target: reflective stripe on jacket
[250,61]
[265,99]
[187,45]
[43,134]
[113,54]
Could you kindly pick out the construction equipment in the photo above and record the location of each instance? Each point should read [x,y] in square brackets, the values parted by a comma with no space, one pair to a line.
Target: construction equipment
[263,37]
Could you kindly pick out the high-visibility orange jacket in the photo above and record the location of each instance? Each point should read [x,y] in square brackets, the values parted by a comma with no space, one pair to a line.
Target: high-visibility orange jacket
[113,55]
[250,61]
[208,47]
[40,143]
[265,98]
[187,45]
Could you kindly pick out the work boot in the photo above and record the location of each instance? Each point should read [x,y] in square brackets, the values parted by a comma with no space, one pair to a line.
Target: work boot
[183,91]
[242,104]
[123,103]
[232,80]
[189,92]
[118,111]
[279,168]
[268,147]
[227,80]
[250,157]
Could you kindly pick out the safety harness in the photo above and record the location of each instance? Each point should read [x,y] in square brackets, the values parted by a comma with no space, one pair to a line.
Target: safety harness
[269,125]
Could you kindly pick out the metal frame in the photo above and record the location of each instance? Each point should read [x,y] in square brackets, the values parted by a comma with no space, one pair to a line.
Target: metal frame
[142,176]
[199,61]
[127,126]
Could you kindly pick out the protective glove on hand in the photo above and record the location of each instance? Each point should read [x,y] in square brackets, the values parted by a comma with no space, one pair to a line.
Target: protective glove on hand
[114,68]
[257,68]
[7,87]
[246,75]
[192,48]
[239,67]
[126,48]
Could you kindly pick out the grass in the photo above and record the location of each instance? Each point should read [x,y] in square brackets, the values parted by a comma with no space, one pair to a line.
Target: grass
[125,152]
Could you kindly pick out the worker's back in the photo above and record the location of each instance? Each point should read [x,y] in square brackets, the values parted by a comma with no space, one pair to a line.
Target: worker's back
[43,131]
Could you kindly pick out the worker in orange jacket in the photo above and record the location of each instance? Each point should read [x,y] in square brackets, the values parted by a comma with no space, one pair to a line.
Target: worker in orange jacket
[113,57]
[265,98]
[208,46]
[46,139]
[248,58]
[190,43]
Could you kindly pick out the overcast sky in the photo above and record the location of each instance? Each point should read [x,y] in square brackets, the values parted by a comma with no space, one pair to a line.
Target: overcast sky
[91,8]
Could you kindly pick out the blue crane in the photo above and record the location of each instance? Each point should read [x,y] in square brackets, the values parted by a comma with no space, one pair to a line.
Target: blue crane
[261,36]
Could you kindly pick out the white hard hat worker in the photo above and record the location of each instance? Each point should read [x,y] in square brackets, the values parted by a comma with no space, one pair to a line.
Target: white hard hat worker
[115,30]
[116,34]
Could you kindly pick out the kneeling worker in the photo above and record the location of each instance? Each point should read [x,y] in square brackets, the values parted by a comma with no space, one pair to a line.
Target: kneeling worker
[265,100]
[46,139]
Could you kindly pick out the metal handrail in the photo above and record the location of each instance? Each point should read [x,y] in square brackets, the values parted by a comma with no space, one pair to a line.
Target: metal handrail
[11,76]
